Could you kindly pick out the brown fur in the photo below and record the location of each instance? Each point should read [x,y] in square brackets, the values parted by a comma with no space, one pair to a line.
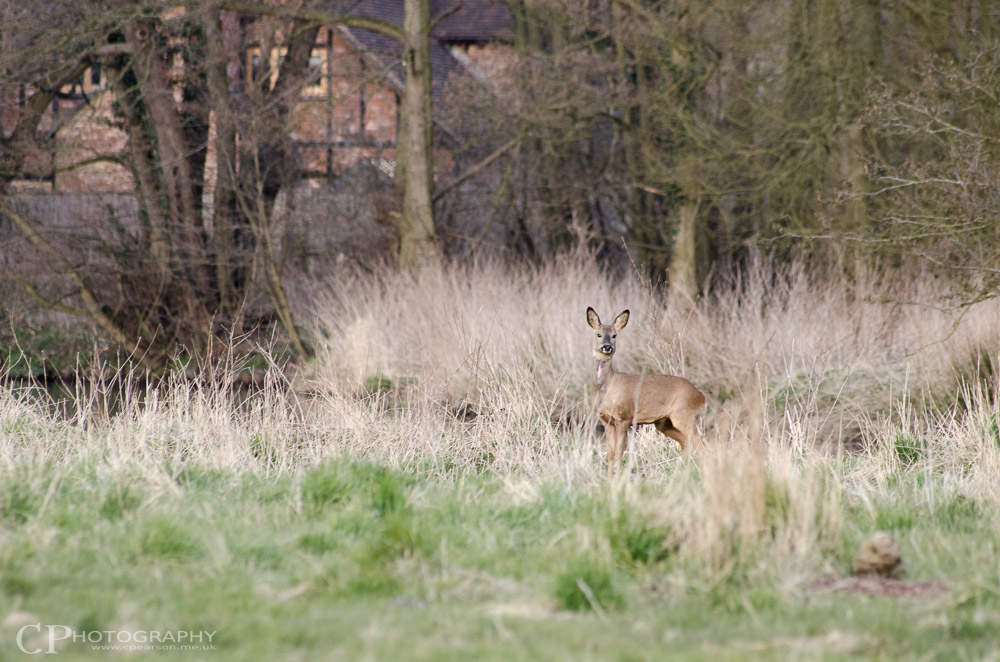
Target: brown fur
[672,404]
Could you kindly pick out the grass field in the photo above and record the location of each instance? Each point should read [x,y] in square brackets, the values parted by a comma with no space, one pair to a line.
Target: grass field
[430,487]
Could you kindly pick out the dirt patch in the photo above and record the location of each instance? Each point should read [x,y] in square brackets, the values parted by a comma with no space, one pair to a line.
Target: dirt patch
[830,643]
[880,587]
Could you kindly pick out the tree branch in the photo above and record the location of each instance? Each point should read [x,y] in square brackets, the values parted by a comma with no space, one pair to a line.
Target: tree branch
[14,149]
[322,17]
[92,306]
[472,171]
[444,15]
[57,306]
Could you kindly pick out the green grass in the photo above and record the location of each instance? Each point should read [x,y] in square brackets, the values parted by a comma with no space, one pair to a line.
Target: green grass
[587,584]
[359,561]
[429,489]
[45,349]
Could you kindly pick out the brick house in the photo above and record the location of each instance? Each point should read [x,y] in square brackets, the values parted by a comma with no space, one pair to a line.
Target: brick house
[346,116]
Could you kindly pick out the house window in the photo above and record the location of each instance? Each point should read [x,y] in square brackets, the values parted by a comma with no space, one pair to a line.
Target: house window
[253,66]
[316,81]
[317,85]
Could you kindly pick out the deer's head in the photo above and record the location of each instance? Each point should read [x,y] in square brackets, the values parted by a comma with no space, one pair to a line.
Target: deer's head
[605,334]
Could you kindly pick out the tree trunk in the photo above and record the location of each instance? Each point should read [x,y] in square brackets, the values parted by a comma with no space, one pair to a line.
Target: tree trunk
[418,245]
[183,205]
[683,258]
[23,139]
[853,172]
[157,243]
[226,182]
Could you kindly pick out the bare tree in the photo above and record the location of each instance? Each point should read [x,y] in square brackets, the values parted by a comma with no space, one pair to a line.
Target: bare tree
[695,131]
[183,277]
[418,242]
[935,182]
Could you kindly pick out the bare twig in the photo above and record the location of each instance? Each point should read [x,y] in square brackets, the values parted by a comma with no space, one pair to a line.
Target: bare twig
[90,302]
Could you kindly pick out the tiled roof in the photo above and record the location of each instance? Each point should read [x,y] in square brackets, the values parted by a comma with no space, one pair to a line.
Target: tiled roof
[387,52]
[475,20]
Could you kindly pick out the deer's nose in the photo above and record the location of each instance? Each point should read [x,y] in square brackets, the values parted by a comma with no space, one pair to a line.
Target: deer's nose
[607,348]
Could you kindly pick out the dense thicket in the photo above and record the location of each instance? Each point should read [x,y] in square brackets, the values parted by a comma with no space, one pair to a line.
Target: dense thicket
[697,130]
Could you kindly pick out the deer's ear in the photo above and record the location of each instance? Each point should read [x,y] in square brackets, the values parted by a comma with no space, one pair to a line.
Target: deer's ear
[592,318]
[620,321]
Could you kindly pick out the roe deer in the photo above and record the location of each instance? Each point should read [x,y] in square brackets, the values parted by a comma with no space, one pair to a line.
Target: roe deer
[672,404]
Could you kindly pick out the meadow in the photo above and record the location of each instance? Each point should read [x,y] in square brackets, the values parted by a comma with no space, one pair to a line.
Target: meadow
[431,487]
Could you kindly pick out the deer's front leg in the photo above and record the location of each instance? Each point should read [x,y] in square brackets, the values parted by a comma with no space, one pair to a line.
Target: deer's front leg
[610,441]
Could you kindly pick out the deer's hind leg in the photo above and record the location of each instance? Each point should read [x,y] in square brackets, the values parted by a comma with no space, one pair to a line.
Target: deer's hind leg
[667,428]
[621,443]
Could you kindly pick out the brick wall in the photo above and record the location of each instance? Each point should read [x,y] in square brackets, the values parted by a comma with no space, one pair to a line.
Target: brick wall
[346,117]
[338,121]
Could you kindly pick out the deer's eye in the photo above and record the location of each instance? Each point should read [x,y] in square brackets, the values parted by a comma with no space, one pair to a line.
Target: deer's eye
[614,336]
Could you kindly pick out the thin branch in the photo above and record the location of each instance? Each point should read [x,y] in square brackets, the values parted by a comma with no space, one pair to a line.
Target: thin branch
[111,158]
[444,15]
[321,17]
[906,183]
[472,171]
[93,307]
[111,50]
[936,118]
[32,291]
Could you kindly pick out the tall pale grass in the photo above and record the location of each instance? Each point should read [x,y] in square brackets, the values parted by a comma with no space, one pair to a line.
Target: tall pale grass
[812,381]
[787,357]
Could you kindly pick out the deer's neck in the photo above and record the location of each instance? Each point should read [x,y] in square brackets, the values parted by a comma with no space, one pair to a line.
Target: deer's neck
[602,373]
